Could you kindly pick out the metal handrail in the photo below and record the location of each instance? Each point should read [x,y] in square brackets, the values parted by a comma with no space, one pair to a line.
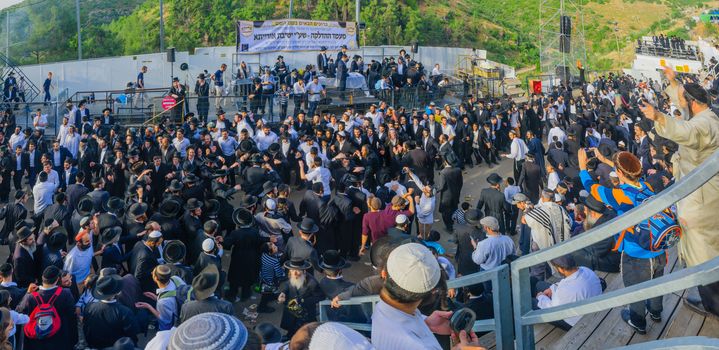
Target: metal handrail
[501,324]
[525,317]
[683,343]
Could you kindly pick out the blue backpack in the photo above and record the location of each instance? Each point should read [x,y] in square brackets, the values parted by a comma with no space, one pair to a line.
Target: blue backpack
[660,231]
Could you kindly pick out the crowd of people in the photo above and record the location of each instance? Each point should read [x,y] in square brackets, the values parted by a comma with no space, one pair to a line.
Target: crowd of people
[114,232]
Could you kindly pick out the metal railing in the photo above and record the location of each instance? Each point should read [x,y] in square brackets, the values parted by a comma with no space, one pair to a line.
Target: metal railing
[683,343]
[501,324]
[708,272]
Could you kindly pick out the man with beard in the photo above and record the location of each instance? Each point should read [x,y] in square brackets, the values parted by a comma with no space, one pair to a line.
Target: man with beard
[26,258]
[599,256]
[300,294]
[79,260]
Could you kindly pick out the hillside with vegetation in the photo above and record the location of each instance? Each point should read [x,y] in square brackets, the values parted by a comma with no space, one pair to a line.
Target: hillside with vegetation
[45,31]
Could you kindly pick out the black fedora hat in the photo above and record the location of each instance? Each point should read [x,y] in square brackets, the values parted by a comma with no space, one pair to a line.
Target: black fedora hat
[174,251]
[19,194]
[274,148]
[23,233]
[212,208]
[175,185]
[113,204]
[57,240]
[205,284]
[331,260]
[267,187]
[308,226]
[170,208]
[190,178]
[245,146]
[243,217]
[85,206]
[124,343]
[494,179]
[220,111]
[220,173]
[137,209]
[256,159]
[248,201]
[107,287]
[297,264]
[193,203]
[472,216]
[109,234]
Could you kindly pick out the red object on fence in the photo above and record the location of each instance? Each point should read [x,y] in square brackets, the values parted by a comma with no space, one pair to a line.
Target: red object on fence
[537,86]
[168,102]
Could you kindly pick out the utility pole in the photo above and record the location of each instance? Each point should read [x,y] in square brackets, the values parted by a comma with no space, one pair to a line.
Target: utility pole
[616,39]
[7,34]
[162,29]
[357,12]
[79,33]
[289,15]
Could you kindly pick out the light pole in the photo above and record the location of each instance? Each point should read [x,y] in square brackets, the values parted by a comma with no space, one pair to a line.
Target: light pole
[616,39]
[162,29]
[79,32]
[289,15]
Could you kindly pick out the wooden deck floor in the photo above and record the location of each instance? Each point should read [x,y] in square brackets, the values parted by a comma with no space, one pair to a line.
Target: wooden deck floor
[606,330]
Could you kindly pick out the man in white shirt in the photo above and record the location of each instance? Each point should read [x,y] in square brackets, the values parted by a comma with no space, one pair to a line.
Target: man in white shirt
[374,116]
[17,139]
[42,193]
[71,141]
[265,138]
[315,92]
[39,121]
[518,152]
[558,132]
[412,274]
[317,173]
[181,143]
[579,283]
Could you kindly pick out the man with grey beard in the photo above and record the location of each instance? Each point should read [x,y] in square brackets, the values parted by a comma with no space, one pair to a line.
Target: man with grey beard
[300,295]
[25,258]
[599,256]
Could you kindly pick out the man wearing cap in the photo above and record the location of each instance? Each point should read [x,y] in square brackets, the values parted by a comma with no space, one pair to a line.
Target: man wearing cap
[524,205]
[79,260]
[399,230]
[204,286]
[106,321]
[412,274]
[579,283]
[166,308]
[697,139]
[66,336]
[300,295]
[493,250]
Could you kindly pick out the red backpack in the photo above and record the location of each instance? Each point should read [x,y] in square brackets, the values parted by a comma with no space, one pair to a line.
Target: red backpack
[44,320]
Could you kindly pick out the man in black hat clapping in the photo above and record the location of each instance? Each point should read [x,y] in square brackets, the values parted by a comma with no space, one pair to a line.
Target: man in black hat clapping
[107,321]
[493,203]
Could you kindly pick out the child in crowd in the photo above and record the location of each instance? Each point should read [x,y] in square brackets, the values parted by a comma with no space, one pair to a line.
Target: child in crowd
[458,215]
[86,298]
[17,318]
[271,274]
[283,98]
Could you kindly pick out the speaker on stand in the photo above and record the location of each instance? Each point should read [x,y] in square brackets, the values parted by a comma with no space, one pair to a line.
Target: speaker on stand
[565,34]
[171,59]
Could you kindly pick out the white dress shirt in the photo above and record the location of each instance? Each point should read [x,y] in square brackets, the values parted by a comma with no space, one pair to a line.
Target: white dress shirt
[42,194]
[581,285]
[320,174]
[518,149]
[265,140]
[393,329]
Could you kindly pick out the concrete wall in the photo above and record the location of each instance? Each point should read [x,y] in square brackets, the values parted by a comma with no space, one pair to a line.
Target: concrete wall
[113,73]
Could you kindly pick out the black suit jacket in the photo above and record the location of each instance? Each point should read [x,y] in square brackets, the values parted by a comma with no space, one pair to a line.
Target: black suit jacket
[493,203]
[27,266]
[74,193]
[449,187]
[322,62]
[141,263]
[530,180]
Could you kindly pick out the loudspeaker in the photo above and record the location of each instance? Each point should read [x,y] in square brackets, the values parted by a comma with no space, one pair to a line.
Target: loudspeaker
[171,54]
[565,43]
[415,47]
[565,26]
[563,73]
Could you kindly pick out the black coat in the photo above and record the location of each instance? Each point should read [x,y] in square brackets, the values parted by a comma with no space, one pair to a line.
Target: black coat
[492,203]
[211,304]
[465,232]
[449,187]
[27,267]
[253,179]
[298,248]
[530,180]
[66,337]
[74,193]
[13,213]
[245,260]
[307,297]
[332,287]
[141,263]
[105,323]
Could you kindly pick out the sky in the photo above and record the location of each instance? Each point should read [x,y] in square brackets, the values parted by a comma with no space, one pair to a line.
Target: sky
[8,3]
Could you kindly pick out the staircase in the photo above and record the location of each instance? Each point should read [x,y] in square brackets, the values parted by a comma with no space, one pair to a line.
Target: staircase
[7,67]
[512,87]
